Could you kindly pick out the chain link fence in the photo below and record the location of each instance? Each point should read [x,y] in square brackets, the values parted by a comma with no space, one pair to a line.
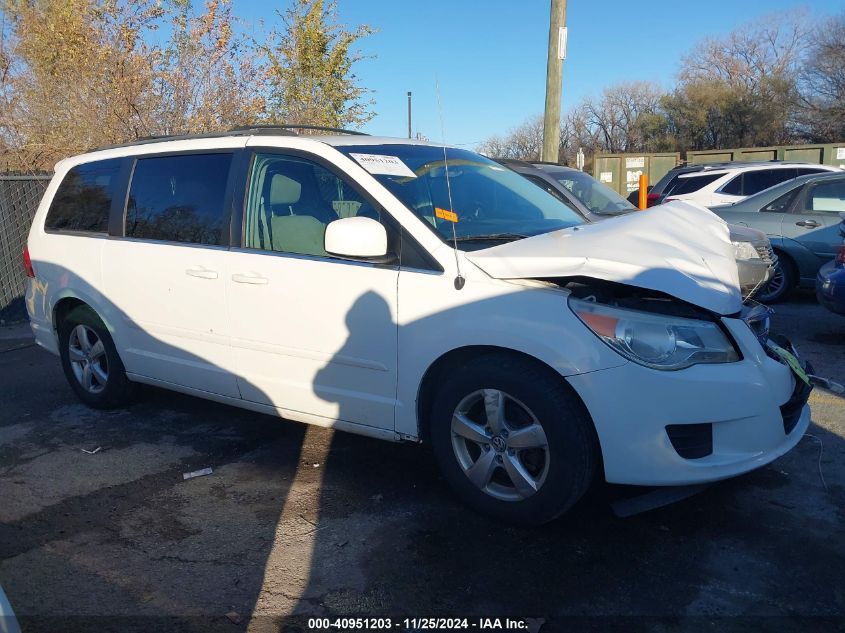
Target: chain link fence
[19,198]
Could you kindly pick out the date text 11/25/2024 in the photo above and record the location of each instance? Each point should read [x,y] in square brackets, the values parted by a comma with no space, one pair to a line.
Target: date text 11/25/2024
[531,625]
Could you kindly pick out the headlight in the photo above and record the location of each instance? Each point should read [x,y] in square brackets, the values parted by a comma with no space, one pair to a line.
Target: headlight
[745,250]
[654,340]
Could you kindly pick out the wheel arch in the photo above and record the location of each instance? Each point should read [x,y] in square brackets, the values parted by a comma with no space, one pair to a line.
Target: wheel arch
[70,299]
[63,307]
[788,259]
[459,356]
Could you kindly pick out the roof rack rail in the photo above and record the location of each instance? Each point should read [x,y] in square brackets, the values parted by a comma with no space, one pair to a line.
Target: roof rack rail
[245,130]
[144,140]
[511,161]
[264,128]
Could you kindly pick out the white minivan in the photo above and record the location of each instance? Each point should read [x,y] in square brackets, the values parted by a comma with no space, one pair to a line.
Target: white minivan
[414,292]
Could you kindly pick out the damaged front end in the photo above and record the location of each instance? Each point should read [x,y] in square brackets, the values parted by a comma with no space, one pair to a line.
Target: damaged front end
[650,328]
[704,395]
[676,249]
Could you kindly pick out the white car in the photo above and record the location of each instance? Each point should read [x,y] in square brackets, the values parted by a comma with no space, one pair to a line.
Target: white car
[726,183]
[369,285]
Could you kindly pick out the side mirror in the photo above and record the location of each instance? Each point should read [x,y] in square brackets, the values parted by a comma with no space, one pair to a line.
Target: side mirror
[358,238]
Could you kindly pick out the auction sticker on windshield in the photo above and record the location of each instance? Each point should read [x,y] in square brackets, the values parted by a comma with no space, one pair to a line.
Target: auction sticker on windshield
[443,214]
[384,165]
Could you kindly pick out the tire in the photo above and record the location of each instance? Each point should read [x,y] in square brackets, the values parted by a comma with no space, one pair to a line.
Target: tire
[90,360]
[558,474]
[781,284]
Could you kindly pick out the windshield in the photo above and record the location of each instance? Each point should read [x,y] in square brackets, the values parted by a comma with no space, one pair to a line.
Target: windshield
[490,202]
[598,198]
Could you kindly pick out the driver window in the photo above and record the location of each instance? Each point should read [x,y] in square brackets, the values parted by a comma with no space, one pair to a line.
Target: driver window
[290,202]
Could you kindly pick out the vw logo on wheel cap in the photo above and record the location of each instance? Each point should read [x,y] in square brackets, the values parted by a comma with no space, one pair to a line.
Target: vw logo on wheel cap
[499,444]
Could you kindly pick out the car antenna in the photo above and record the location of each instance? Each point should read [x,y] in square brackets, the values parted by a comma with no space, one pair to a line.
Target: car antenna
[459,280]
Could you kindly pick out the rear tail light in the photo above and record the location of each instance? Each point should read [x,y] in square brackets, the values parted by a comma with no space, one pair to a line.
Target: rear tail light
[27,263]
[840,256]
[653,199]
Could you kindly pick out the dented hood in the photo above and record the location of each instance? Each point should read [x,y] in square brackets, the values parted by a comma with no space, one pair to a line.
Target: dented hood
[677,248]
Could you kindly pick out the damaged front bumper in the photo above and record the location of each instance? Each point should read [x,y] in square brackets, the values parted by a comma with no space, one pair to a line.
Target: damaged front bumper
[700,424]
[753,275]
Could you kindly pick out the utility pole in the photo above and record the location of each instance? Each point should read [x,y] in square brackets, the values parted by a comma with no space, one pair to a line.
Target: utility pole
[409,115]
[554,71]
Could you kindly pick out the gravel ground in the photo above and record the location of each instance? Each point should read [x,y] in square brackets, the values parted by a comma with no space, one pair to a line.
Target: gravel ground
[298,521]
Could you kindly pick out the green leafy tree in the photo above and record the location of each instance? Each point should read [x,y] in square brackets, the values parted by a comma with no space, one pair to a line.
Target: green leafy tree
[78,74]
[207,78]
[310,68]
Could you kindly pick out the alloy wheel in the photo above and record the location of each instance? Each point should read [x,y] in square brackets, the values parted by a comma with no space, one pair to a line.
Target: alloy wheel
[500,445]
[774,286]
[88,359]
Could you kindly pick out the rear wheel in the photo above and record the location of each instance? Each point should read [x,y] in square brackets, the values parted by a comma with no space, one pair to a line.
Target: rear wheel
[513,440]
[782,281]
[90,361]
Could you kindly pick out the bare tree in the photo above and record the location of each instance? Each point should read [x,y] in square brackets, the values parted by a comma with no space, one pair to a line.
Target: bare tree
[740,90]
[627,117]
[769,47]
[823,83]
[523,142]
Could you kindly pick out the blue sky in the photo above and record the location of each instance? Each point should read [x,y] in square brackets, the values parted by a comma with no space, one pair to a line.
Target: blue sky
[489,56]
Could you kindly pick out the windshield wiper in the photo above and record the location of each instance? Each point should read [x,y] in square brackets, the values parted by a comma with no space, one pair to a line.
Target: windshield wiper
[492,237]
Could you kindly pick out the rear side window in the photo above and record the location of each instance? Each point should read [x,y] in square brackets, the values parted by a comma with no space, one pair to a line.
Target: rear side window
[758,180]
[782,204]
[83,199]
[664,183]
[179,198]
[548,188]
[734,187]
[803,171]
[691,184]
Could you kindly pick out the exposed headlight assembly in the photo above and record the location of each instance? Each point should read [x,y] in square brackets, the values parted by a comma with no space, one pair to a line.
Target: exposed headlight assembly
[745,250]
[655,340]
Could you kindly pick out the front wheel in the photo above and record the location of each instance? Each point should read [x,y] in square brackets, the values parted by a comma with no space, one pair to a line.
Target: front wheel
[782,281]
[513,440]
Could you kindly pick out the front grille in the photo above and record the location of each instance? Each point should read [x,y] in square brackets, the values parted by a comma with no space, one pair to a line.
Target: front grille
[766,253]
[691,441]
[758,318]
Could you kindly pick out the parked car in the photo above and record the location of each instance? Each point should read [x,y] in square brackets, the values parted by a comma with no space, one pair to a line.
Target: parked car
[726,183]
[830,282]
[595,202]
[409,292]
[801,218]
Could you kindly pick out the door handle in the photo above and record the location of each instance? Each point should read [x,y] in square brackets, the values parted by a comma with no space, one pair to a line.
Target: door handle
[202,273]
[254,279]
[810,224]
